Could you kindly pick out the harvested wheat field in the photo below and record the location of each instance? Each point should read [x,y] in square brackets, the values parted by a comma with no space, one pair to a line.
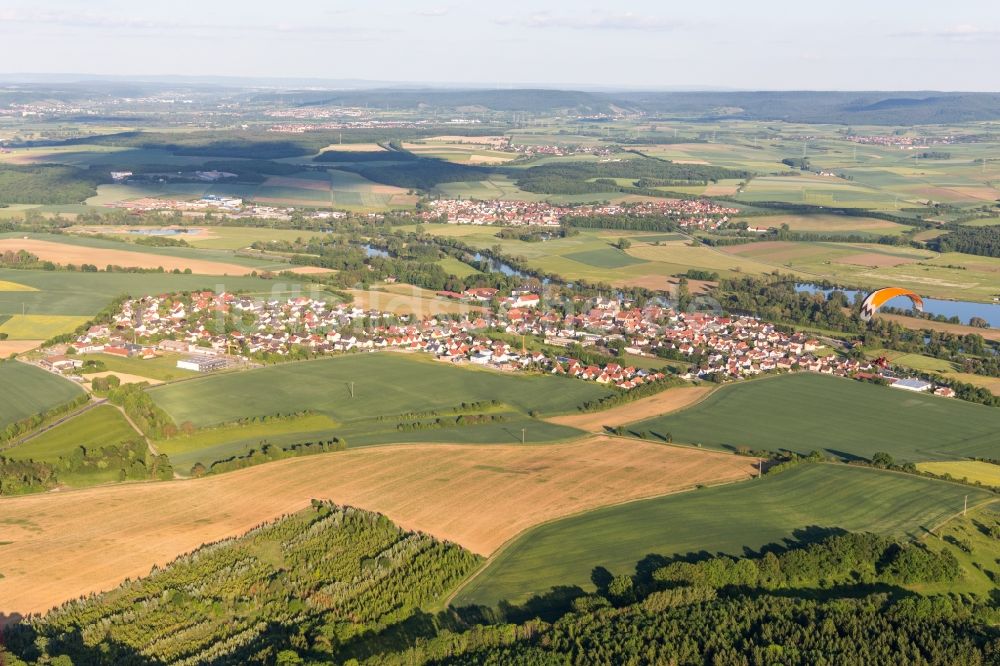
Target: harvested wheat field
[310,270]
[875,260]
[61,253]
[124,377]
[646,408]
[62,545]
[8,347]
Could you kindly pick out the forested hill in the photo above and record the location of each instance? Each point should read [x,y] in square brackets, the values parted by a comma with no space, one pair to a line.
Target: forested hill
[842,107]
[333,585]
[872,108]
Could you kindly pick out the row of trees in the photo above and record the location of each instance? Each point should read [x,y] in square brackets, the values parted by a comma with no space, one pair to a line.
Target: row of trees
[268,453]
[125,461]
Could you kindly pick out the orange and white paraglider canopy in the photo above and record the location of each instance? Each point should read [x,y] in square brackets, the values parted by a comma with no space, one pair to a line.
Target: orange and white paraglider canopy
[877,299]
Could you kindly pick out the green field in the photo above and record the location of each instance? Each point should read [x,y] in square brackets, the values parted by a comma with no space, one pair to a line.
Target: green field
[212,444]
[26,390]
[386,386]
[918,362]
[798,505]
[101,426]
[235,238]
[830,224]
[456,267]
[845,418]
[589,255]
[163,368]
[604,258]
[64,293]
[981,567]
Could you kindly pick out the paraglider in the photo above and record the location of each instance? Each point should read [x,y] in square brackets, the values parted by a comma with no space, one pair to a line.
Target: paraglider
[878,298]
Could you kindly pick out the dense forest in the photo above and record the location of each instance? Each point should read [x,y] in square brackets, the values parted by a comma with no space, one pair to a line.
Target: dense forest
[334,585]
[327,583]
[47,184]
[983,241]
[421,173]
[595,177]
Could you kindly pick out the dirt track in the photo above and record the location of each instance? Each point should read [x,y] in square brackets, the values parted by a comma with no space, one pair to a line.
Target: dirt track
[65,544]
[646,408]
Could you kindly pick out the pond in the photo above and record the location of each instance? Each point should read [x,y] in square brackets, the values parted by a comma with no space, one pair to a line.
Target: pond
[161,232]
[372,251]
[964,310]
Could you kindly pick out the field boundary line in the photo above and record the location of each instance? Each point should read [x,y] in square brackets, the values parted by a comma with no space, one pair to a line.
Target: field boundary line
[975,507]
[523,533]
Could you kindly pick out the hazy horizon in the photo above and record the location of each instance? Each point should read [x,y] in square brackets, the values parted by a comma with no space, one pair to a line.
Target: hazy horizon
[776,45]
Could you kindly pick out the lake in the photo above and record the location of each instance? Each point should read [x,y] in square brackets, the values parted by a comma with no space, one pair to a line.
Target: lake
[964,310]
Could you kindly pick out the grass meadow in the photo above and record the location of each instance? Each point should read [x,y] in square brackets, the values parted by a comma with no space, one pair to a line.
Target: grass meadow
[101,426]
[385,384]
[26,390]
[387,388]
[841,417]
[162,368]
[798,505]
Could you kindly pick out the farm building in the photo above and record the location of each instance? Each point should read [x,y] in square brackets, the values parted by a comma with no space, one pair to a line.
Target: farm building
[202,363]
[916,385]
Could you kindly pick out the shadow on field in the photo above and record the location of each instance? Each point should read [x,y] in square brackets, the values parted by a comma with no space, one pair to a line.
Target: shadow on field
[845,456]
[559,600]
[20,639]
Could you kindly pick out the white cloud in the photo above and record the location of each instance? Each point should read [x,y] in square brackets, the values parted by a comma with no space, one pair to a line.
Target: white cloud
[79,19]
[964,32]
[595,21]
[102,20]
[432,12]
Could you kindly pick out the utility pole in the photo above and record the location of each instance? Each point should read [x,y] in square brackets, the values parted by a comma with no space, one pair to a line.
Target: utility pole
[522,435]
[966,508]
[760,467]
[352,389]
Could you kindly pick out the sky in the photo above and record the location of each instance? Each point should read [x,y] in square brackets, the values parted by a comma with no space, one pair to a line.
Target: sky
[640,44]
